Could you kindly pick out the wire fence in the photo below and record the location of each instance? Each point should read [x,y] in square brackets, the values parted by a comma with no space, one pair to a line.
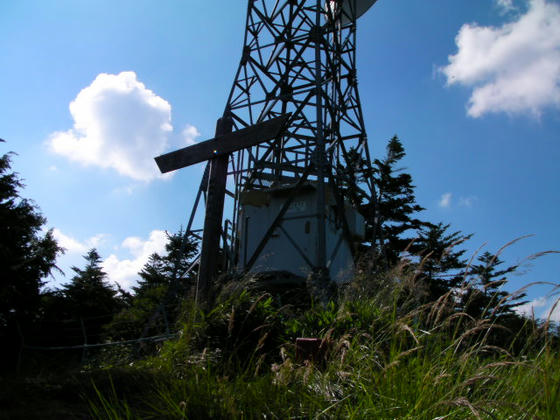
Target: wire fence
[69,331]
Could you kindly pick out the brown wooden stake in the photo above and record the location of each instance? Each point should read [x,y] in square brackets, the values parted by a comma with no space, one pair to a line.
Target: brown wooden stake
[217,151]
[214,213]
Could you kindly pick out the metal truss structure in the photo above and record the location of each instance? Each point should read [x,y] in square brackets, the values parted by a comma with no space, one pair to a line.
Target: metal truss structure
[298,59]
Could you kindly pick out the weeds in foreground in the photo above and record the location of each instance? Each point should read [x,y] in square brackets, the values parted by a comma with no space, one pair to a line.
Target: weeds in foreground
[385,355]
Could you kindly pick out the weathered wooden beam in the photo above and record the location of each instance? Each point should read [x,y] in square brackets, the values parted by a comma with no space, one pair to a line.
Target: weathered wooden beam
[213,216]
[221,145]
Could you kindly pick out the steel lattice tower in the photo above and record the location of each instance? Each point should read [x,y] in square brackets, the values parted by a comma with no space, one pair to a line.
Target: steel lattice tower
[298,59]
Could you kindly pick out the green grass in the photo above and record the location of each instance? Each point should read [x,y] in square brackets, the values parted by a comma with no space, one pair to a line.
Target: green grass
[237,361]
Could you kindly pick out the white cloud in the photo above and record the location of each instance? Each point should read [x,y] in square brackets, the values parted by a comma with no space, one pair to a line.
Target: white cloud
[125,271]
[530,308]
[467,201]
[73,246]
[190,134]
[70,244]
[514,68]
[535,307]
[118,124]
[553,311]
[505,5]
[125,190]
[445,200]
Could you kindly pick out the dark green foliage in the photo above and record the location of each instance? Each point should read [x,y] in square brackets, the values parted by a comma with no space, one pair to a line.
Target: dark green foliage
[79,310]
[441,266]
[165,281]
[396,203]
[88,294]
[171,268]
[27,256]
[237,360]
[486,297]
[246,325]
[388,206]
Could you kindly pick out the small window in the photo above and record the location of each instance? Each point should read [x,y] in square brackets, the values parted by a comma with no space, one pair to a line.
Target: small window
[307,227]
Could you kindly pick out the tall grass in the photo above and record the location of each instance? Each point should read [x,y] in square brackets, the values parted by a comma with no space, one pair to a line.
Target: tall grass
[386,355]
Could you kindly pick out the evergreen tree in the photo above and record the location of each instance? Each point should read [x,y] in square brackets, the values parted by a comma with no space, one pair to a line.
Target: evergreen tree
[485,297]
[164,282]
[88,293]
[384,195]
[27,256]
[396,203]
[170,270]
[442,265]
[89,298]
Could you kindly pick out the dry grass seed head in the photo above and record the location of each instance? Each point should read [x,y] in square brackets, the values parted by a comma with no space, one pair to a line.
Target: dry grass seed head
[478,378]
[548,318]
[405,327]
[439,307]
[441,377]
[495,366]
[459,315]
[481,325]
[256,302]
[401,356]
[421,265]
[463,402]
[510,243]
[342,347]
[466,280]
[489,349]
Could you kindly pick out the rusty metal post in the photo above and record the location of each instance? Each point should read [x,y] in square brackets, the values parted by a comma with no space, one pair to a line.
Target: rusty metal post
[214,213]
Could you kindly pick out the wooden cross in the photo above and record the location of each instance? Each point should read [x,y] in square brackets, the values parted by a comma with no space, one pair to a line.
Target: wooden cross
[217,152]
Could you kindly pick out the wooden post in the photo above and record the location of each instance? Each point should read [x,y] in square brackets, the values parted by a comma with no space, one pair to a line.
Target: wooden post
[217,151]
[214,213]
[21,347]
[84,334]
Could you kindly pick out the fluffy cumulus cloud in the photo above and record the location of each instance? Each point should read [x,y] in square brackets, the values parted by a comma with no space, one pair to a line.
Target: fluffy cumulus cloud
[445,200]
[543,308]
[513,68]
[190,134]
[125,271]
[118,124]
[73,246]
[531,308]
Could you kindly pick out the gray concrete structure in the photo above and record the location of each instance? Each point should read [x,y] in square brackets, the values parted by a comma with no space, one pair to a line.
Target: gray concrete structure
[292,247]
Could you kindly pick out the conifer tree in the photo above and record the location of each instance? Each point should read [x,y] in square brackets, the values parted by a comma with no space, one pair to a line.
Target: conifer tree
[26,255]
[89,298]
[486,297]
[442,265]
[169,270]
[88,293]
[164,282]
[391,210]
[396,203]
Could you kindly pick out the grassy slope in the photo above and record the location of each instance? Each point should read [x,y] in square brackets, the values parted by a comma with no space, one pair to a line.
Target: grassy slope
[381,361]
[383,357]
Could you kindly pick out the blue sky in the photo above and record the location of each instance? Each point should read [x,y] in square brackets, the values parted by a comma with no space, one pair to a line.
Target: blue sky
[471,88]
